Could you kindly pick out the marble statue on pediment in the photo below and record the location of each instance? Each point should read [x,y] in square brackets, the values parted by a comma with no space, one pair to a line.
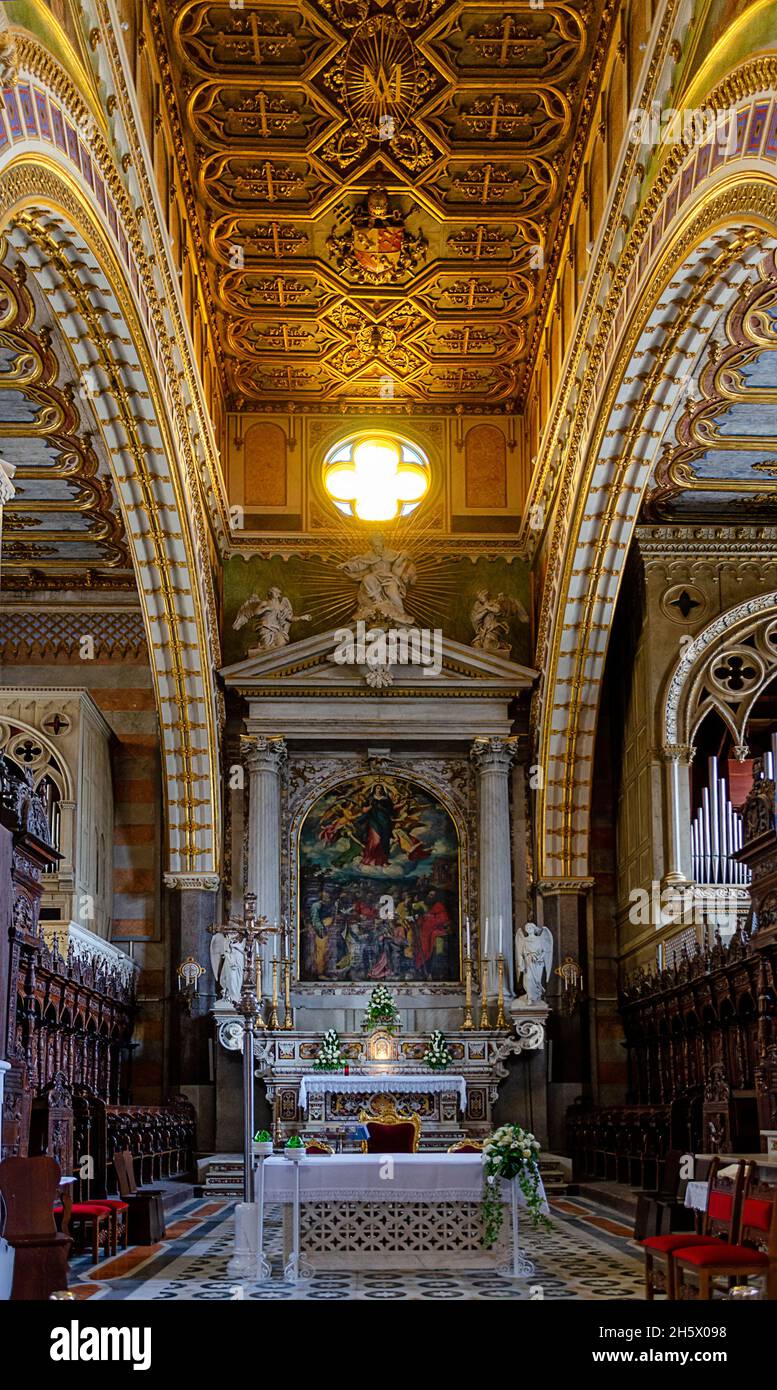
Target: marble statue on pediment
[384,577]
[490,616]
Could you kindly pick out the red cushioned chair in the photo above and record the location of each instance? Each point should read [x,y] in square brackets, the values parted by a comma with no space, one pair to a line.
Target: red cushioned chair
[389,1132]
[91,1217]
[467,1146]
[754,1253]
[723,1202]
[317,1148]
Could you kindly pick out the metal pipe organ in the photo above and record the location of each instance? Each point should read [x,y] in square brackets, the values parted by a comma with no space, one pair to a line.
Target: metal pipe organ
[716,833]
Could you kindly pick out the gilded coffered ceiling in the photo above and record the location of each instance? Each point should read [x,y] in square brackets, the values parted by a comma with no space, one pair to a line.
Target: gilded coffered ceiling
[62,529]
[380,187]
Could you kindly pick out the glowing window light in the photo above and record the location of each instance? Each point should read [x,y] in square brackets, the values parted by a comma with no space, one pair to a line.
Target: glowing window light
[376,478]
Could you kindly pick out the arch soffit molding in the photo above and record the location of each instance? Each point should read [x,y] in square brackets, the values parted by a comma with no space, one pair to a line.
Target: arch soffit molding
[598,533]
[51,224]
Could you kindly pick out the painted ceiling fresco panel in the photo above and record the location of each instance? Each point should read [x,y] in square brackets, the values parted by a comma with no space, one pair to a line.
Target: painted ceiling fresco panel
[355,146]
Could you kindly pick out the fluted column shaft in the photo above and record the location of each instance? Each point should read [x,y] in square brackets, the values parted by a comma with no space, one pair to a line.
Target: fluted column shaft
[265,758]
[493,759]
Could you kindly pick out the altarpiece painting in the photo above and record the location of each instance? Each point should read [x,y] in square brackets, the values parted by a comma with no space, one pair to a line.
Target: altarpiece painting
[379,895]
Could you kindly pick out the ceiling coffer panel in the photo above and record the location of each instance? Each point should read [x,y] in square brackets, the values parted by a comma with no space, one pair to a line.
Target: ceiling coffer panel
[374,181]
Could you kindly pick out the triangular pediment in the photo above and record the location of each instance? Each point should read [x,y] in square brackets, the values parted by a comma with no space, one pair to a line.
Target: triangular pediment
[318,662]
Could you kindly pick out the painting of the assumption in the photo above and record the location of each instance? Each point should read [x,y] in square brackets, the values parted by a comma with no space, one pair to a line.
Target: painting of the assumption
[379,885]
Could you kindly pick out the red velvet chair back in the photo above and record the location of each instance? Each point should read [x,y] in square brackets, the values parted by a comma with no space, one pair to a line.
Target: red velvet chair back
[29,1186]
[391,1138]
[759,1220]
[724,1200]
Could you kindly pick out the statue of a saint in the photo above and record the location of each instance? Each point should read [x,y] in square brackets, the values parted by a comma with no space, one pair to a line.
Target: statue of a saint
[384,578]
[533,958]
[490,616]
[272,618]
[227,955]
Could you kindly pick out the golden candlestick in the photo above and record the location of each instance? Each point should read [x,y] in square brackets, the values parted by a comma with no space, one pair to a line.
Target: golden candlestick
[468,1020]
[501,1021]
[484,1019]
[288,1017]
[274,1020]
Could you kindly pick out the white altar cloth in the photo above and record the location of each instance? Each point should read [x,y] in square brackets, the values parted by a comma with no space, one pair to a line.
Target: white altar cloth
[337,1083]
[420,1177]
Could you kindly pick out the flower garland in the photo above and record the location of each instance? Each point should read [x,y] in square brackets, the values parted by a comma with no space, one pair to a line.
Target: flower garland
[437,1055]
[330,1056]
[511,1152]
[381,1012]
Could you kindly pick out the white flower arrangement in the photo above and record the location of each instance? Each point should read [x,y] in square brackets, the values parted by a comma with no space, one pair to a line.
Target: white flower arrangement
[330,1056]
[511,1152]
[381,1010]
[437,1055]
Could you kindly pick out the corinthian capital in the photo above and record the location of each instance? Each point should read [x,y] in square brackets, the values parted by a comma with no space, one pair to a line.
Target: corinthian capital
[264,754]
[678,752]
[493,754]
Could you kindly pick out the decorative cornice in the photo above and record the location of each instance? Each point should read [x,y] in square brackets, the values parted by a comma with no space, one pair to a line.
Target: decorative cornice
[204,883]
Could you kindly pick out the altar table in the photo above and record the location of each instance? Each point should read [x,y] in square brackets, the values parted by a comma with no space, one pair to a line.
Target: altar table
[374,1083]
[385,1211]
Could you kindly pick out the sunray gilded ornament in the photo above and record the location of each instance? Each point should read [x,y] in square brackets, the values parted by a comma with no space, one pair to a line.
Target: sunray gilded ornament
[377,247]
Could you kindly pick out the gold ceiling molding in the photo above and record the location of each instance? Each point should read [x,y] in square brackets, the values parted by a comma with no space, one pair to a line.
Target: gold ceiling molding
[350,158]
[36,555]
[584,357]
[44,208]
[41,64]
[729,203]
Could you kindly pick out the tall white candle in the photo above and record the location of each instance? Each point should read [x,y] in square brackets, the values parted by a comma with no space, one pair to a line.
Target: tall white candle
[469,943]
[501,929]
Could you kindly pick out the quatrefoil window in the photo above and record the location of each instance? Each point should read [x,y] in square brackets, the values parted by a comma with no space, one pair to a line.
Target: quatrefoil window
[376,476]
[735,673]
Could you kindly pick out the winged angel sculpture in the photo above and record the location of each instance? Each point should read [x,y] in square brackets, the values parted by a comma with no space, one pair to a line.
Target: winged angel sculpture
[533,958]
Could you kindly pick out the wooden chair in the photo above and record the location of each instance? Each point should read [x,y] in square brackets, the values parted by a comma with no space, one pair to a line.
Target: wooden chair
[660,1212]
[145,1210]
[723,1201]
[389,1131]
[467,1146]
[753,1254]
[29,1187]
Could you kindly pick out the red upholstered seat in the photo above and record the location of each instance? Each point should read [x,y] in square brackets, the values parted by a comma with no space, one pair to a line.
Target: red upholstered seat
[89,1209]
[720,1253]
[390,1139]
[113,1203]
[679,1240]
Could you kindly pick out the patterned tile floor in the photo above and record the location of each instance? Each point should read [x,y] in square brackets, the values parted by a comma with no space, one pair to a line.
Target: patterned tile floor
[588,1254]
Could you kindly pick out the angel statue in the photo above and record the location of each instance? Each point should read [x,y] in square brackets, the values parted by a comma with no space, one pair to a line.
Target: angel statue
[272,617]
[384,578]
[490,616]
[533,956]
[227,956]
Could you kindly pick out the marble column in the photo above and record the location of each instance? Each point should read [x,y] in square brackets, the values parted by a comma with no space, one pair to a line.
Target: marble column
[677,847]
[493,759]
[265,759]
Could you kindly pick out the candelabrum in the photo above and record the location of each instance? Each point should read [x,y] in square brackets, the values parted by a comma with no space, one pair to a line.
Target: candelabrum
[501,1021]
[274,1020]
[484,1019]
[252,931]
[468,1020]
[288,1014]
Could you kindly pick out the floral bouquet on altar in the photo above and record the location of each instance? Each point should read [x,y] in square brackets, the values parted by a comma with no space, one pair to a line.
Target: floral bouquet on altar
[511,1152]
[330,1056]
[437,1055]
[382,1012]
